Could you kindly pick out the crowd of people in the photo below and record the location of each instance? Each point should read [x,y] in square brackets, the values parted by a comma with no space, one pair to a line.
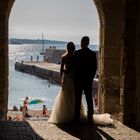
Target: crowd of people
[25,111]
[37,58]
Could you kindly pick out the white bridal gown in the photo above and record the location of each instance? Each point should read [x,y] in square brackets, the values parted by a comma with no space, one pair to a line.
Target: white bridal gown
[63,108]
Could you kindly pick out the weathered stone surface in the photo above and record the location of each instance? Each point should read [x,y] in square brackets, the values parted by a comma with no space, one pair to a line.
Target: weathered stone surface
[54,55]
[41,130]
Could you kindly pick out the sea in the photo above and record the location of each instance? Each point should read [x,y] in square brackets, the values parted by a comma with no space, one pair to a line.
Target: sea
[23,84]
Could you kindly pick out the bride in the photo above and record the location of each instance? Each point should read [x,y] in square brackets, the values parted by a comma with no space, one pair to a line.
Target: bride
[63,108]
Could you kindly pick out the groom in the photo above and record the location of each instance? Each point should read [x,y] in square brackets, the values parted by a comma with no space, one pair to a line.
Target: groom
[85,65]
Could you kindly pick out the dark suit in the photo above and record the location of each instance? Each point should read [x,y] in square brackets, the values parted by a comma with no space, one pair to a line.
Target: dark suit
[85,65]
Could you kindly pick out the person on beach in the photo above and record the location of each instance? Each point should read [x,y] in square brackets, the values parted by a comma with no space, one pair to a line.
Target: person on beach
[24,111]
[26,102]
[96,100]
[45,111]
[31,58]
[21,108]
[25,108]
[9,118]
[37,58]
[15,108]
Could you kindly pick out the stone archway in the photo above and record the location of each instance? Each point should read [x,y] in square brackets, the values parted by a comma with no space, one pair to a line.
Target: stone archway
[119,57]
[5,8]
[109,77]
[119,86]
[111,40]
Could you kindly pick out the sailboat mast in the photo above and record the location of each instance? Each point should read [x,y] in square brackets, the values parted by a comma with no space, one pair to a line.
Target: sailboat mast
[42,44]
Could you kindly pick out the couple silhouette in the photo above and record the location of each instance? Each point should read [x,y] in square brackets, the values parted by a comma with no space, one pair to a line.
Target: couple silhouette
[78,69]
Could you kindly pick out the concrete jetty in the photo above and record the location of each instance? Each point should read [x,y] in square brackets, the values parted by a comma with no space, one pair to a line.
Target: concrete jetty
[50,68]
[49,71]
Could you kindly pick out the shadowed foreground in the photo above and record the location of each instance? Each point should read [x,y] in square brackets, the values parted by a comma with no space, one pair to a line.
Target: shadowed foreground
[41,130]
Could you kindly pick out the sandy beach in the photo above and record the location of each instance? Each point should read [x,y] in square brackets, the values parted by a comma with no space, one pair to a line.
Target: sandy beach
[35,115]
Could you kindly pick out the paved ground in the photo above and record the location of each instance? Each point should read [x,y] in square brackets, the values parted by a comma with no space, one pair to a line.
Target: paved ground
[41,130]
[45,65]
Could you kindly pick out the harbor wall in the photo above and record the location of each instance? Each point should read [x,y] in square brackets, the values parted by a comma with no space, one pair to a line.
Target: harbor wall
[53,55]
[51,75]
[46,73]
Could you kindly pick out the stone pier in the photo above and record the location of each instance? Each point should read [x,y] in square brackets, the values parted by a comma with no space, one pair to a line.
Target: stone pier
[49,71]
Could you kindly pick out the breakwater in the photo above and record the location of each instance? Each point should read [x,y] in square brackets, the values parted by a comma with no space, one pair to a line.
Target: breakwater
[48,71]
[53,55]
[43,70]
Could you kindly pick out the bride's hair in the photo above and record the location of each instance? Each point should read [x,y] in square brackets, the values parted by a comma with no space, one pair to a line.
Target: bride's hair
[70,47]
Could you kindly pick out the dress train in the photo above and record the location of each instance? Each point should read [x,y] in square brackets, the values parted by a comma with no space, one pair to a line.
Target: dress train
[63,108]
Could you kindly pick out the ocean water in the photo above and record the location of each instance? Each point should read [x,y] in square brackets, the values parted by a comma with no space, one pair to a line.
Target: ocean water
[23,84]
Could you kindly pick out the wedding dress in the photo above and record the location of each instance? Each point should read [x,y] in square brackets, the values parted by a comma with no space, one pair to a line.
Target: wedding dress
[63,108]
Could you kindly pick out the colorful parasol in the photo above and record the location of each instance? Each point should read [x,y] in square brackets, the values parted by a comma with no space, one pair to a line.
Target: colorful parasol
[36,101]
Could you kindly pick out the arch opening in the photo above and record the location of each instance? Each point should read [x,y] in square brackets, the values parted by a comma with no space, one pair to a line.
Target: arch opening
[87,28]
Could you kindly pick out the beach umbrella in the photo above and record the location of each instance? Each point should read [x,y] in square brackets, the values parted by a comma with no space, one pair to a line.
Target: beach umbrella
[35,101]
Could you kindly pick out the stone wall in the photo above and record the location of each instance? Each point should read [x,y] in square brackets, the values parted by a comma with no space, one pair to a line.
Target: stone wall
[110,44]
[51,75]
[137,58]
[54,55]
[5,8]
[46,73]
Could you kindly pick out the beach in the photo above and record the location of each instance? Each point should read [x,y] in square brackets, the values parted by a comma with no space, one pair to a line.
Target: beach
[34,115]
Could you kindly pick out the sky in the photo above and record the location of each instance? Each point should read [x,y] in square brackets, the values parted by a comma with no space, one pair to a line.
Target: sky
[65,20]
